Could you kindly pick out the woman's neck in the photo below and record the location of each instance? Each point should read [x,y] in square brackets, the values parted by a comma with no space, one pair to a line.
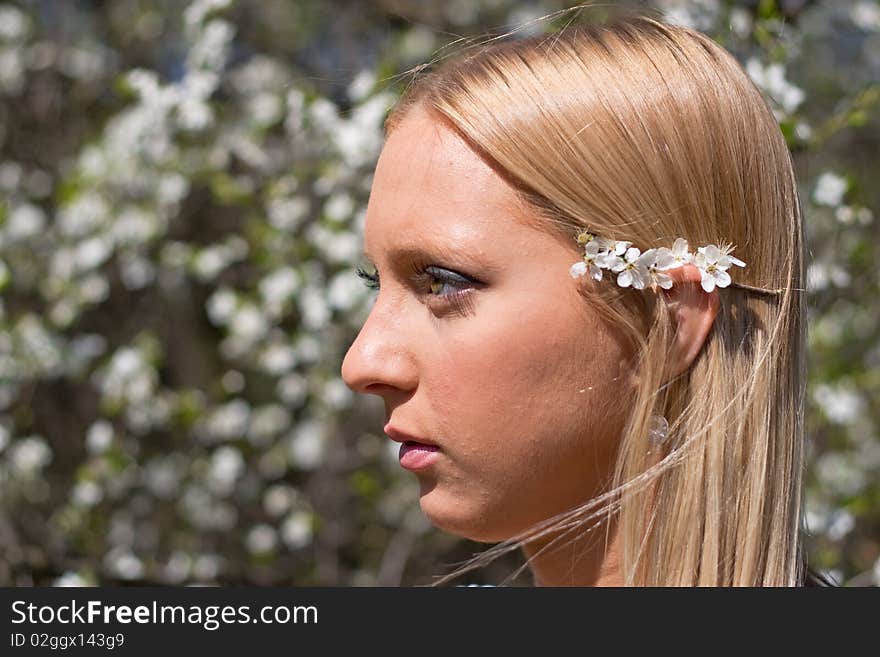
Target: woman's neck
[593,559]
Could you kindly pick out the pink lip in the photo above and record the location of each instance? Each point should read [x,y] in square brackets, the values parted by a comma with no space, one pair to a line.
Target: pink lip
[416,456]
[415,453]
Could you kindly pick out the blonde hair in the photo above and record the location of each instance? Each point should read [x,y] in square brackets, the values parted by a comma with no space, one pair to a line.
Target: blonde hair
[643,131]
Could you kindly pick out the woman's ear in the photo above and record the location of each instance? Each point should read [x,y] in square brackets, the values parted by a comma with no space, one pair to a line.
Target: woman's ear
[693,311]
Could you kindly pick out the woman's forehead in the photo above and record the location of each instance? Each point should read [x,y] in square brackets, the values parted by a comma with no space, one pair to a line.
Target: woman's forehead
[430,186]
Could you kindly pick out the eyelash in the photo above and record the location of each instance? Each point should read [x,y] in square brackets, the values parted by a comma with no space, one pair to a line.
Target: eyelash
[460,301]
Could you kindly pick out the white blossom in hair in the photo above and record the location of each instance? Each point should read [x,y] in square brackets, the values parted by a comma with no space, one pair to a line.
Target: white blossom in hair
[713,263]
[595,255]
[639,270]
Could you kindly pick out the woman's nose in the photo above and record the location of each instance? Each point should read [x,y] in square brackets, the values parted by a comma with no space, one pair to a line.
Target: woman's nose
[379,361]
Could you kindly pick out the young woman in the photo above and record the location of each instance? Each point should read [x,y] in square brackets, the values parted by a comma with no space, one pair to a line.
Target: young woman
[590,329]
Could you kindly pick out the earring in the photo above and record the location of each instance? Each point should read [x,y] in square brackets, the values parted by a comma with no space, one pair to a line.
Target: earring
[659,430]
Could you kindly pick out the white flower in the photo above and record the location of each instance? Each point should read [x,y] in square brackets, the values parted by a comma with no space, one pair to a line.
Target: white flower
[210,261]
[658,261]
[29,455]
[740,21]
[840,524]
[680,251]
[194,115]
[86,493]
[713,264]
[14,24]
[207,566]
[866,15]
[277,358]
[579,269]
[279,286]
[221,306]
[638,269]
[296,531]
[227,465]
[632,267]
[248,323]
[70,578]
[265,108]
[339,206]
[336,394]
[198,10]
[267,422]
[261,539]
[133,226]
[361,85]
[171,189]
[619,247]
[99,436]
[593,262]
[177,567]
[345,291]
[306,445]
[771,79]
[287,213]
[841,403]
[124,563]
[278,499]
[292,389]
[315,310]
[830,189]
[25,221]
[92,252]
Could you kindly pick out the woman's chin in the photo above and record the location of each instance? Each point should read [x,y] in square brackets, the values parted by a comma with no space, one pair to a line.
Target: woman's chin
[457,517]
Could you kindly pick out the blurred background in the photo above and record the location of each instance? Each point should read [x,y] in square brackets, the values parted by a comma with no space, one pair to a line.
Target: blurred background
[182,192]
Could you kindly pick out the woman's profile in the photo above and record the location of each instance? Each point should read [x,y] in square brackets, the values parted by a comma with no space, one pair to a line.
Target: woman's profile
[589,334]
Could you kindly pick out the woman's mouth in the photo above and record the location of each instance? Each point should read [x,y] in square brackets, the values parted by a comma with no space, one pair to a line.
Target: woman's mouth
[417,456]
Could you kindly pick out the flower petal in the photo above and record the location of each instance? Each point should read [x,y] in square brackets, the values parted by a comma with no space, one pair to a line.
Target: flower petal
[665,259]
[722,278]
[624,278]
[707,282]
[680,247]
[664,281]
[615,263]
[648,256]
[638,279]
[605,243]
[600,260]
[578,269]
[711,252]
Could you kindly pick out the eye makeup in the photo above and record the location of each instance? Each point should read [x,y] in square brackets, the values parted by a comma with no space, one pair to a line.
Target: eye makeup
[371,280]
[431,281]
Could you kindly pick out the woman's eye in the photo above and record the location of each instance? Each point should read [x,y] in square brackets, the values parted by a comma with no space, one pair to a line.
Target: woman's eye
[438,286]
[454,291]
[442,284]
[445,283]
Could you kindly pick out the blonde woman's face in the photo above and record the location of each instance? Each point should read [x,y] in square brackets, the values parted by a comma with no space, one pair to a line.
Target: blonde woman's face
[479,343]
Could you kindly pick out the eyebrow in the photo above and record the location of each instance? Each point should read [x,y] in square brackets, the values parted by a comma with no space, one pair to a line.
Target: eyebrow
[453,256]
[414,251]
